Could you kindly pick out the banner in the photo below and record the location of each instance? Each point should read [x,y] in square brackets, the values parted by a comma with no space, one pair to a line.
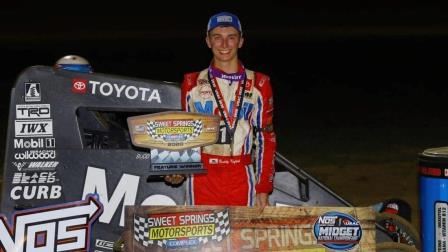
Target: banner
[209,228]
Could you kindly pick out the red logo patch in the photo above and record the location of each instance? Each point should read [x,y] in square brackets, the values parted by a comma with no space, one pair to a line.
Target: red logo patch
[79,86]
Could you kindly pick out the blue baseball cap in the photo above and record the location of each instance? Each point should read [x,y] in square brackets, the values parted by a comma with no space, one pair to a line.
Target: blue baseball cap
[225,19]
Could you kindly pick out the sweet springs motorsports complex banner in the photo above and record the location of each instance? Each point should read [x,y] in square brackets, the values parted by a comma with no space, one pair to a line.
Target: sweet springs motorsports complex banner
[174,130]
[205,228]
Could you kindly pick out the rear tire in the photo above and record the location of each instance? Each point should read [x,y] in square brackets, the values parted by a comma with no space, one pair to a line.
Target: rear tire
[408,236]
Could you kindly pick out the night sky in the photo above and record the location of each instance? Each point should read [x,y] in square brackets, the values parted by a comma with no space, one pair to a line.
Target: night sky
[330,40]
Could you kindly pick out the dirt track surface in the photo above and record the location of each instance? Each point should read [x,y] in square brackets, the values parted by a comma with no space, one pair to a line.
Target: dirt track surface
[365,179]
[364,166]
[366,184]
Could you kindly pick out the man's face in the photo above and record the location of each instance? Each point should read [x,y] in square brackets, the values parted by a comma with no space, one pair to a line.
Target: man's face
[224,42]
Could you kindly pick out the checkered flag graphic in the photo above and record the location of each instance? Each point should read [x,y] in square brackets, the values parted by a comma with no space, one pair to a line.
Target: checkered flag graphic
[152,130]
[222,225]
[197,124]
[197,128]
[141,232]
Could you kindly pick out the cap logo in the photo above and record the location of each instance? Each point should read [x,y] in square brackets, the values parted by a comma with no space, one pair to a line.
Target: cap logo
[224,19]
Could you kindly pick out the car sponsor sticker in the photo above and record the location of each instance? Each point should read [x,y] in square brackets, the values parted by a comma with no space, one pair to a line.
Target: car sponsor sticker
[32,111]
[35,154]
[34,143]
[62,227]
[33,128]
[34,178]
[117,90]
[36,165]
[104,244]
[79,86]
[32,92]
[38,192]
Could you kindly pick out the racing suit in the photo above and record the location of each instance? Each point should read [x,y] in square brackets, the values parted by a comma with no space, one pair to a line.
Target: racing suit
[231,178]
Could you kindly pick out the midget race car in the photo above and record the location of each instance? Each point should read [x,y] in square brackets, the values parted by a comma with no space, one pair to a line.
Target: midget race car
[68,139]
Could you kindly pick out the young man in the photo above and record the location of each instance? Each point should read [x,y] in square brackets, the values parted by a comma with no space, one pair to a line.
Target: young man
[238,174]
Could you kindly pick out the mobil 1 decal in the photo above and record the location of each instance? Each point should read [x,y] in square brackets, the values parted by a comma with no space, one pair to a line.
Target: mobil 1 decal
[181,229]
[62,227]
[34,143]
[337,231]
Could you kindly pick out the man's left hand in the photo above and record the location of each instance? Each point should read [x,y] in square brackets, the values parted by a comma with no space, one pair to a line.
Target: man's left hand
[262,200]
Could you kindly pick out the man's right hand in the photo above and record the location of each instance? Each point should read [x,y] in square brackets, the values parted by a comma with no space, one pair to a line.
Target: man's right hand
[174,179]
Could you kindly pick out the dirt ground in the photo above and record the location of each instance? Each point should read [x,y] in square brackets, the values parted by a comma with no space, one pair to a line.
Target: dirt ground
[364,153]
[364,177]
[365,184]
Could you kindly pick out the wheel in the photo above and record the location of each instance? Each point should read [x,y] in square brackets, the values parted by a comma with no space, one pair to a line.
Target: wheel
[400,231]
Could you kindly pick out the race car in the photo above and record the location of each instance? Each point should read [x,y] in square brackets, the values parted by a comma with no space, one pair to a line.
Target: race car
[68,138]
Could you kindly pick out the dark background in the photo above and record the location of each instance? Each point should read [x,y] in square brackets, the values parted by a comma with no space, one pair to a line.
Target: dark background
[360,87]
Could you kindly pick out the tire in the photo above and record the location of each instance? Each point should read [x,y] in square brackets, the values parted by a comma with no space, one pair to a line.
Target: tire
[406,233]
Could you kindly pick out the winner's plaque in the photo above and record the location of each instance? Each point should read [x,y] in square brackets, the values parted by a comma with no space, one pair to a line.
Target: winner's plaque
[174,139]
